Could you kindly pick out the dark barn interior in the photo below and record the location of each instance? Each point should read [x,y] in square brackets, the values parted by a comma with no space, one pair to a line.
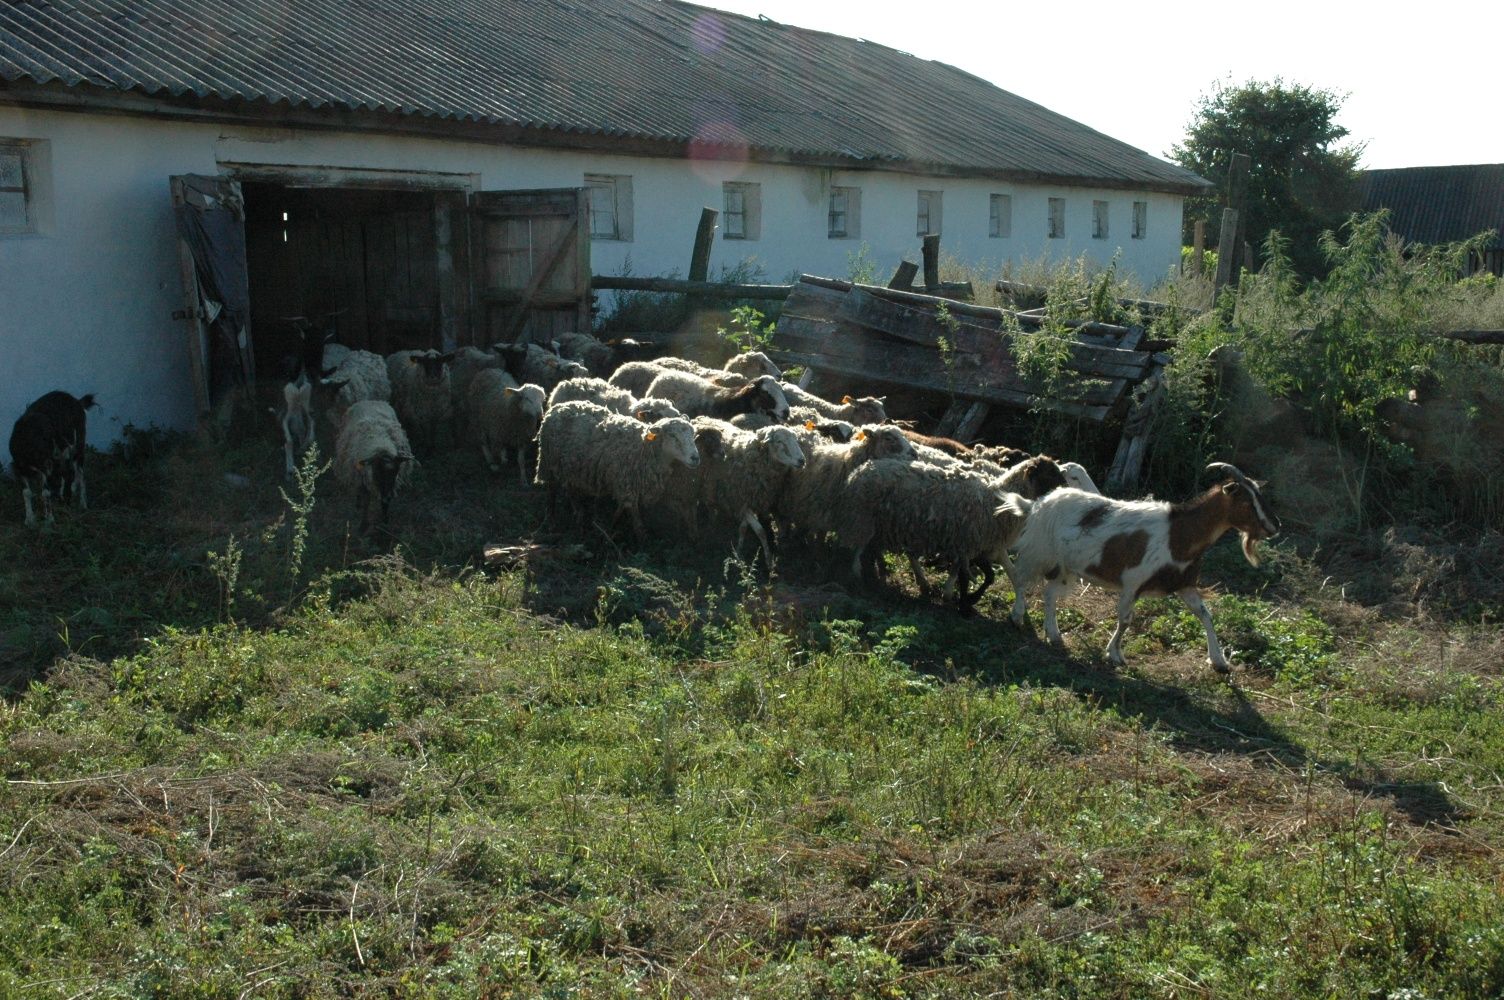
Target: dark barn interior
[362,264]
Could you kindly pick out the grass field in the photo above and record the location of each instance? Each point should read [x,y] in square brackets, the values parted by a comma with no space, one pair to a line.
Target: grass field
[342,768]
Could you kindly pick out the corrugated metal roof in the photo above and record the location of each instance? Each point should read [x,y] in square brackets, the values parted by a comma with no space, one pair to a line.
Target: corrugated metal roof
[1438,204]
[660,71]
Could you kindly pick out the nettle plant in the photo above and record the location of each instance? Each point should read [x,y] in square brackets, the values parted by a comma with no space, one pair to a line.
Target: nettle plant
[749,330]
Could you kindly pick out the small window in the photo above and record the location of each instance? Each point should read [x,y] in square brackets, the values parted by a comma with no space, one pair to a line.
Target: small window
[610,206]
[22,179]
[845,217]
[1000,222]
[742,217]
[1140,219]
[1099,220]
[1057,218]
[929,213]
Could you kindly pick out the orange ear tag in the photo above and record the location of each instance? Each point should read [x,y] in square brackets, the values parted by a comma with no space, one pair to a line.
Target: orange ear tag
[860,436]
[652,435]
[845,400]
[809,425]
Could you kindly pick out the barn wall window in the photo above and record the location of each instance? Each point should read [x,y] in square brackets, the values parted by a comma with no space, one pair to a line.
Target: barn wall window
[25,186]
[844,219]
[1000,216]
[742,215]
[929,212]
[1057,218]
[610,206]
[1140,219]
[1099,220]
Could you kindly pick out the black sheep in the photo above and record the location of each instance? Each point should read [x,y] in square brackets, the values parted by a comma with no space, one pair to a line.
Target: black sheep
[47,451]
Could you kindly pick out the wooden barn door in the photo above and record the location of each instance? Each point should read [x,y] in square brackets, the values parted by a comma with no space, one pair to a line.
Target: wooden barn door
[210,216]
[532,264]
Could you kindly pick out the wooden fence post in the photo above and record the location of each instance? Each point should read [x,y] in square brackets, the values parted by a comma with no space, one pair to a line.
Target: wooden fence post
[931,262]
[699,260]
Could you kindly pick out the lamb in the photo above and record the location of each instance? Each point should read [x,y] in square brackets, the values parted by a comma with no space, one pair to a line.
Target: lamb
[372,456]
[420,392]
[47,451]
[503,416]
[952,514]
[585,450]
[866,410]
[360,375]
[697,397]
[543,368]
[681,495]
[1137,547]
[296,421]
[750,475]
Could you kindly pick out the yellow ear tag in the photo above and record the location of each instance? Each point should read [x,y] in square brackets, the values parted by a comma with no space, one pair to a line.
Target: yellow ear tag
[845,400]
[860,436]
[652,435]
[809,425]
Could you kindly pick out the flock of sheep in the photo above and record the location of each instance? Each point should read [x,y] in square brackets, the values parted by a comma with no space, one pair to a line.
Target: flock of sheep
[735,445]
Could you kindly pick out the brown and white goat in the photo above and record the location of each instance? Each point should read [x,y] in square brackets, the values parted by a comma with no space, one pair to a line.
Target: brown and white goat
[1136,547]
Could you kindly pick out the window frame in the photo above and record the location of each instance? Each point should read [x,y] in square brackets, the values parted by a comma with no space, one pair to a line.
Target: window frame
[620,188]
[929,216]
[853,213]
[1100,219]
[999,223]
[1140,220]
[751,213]
[25,152]
[1055,220]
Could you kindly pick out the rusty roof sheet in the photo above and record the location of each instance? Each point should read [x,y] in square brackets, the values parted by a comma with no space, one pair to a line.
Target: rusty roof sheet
[660,71]
[1438,204]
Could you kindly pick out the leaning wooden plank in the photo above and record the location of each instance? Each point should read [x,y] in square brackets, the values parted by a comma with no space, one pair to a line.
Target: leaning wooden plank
[709,289]
[542,268]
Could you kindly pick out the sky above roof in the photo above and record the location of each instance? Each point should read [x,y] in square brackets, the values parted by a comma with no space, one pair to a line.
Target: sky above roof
[1417,83]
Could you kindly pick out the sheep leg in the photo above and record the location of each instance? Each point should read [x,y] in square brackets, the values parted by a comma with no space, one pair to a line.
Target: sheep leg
[988,576]
[31,515]
[522,465]
[1125,615]
[920,580]
[1214,655]
[749,520]
[1051,626]
[491,463]
[80,490]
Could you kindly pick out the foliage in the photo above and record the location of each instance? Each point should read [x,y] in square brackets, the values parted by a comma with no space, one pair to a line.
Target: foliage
[748,331]
[861,266]
[1302,181]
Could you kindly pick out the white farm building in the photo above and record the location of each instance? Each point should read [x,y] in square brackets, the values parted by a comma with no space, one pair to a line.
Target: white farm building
[177,176]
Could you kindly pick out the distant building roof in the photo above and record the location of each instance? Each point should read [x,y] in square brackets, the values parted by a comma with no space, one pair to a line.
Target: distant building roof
[666,75]
[1438,204]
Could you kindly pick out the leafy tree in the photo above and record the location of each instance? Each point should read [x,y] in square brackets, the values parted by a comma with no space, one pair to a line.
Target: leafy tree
[1302,183]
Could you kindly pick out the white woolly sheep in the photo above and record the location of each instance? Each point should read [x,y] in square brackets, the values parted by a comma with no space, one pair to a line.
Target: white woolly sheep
[752,472]
[544,368]
[469,362]
[503,416]
[372,456]
[1136,547]
[696,396]
[925,511]
[359,375]
[814,500]
[585,450]
[866,410]
[420,392]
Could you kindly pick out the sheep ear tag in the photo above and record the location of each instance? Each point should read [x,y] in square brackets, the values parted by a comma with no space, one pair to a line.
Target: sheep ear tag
[845,400]
[507,390]
[809,425]
[651,436]
[860,436]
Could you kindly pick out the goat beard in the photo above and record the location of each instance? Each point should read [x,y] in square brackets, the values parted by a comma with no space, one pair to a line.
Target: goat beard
[1250,550]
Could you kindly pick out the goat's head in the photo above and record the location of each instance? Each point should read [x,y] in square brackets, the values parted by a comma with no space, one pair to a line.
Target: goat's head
[1247,511]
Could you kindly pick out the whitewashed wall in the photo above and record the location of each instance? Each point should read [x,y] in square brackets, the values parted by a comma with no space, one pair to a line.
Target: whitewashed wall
[87,305]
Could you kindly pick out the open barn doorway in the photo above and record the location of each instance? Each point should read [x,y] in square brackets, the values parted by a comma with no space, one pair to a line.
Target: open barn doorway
[376,267]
